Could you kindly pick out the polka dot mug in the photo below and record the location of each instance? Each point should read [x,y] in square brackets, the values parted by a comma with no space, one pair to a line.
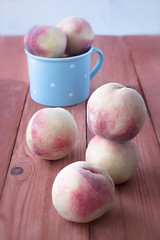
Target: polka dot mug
[61,81]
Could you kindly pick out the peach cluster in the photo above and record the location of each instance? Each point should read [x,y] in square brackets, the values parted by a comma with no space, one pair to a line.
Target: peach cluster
[84,190]
[81,191]
[72,36]
[115,114]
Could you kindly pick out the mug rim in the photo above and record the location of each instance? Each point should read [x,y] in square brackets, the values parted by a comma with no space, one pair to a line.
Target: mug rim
[59,59]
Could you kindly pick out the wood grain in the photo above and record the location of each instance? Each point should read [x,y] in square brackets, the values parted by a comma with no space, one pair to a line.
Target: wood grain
[145,54]
[13,90]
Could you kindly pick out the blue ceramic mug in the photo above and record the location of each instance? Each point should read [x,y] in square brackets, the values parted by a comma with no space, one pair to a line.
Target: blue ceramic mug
[61,81]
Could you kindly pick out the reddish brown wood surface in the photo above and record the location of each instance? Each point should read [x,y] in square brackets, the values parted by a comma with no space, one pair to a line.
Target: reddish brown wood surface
[145,53]
[26,210]
[13,90]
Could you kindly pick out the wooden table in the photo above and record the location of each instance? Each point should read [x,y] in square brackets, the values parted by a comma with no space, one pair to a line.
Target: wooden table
[26,210]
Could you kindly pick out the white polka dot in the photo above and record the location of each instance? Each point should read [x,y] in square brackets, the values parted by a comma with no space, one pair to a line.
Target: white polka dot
[85,75]
[34,91]
[53,85]
[72,65]
[71,94]
[33,61]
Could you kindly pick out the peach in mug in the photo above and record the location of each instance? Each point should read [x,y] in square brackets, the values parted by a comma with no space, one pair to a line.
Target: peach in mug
[45,41]
[80,35]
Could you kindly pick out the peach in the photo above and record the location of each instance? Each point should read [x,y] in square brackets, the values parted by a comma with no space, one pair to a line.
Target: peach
[119,159]
[51,133]
[116,112]
[45,41]
[79,34]
[82,192]
[27,38]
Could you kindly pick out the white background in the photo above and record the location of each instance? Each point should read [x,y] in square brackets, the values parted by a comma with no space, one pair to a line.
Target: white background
[108,17]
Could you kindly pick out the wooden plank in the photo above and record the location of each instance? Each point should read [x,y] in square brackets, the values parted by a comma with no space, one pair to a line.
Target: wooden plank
[146,58]
[26,207]
[135,213]
[13,90]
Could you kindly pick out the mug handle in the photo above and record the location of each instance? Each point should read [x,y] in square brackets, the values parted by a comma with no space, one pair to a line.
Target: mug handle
[98,64]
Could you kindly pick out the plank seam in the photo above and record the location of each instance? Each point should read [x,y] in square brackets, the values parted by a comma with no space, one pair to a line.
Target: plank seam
[141,88]
[86,123]
[14,142]
[89,226]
